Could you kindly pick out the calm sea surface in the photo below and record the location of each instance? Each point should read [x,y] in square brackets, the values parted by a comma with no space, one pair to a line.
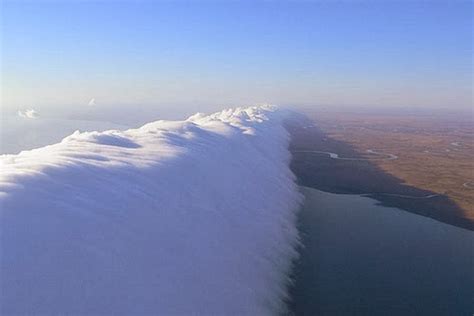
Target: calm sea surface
[360,258]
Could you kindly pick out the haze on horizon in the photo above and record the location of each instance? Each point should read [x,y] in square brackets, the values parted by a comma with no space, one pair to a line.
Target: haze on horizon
[382,54]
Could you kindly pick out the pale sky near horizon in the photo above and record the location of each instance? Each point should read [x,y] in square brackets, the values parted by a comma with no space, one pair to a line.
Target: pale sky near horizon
[376,53]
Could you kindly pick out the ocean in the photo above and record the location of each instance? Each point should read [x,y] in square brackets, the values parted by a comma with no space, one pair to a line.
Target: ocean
[361,258]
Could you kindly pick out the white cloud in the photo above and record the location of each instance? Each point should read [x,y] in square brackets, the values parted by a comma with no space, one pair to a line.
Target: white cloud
[30,114]
[92,102]
[173,218]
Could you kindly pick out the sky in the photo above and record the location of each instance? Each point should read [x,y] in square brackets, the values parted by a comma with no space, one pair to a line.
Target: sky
[375,53]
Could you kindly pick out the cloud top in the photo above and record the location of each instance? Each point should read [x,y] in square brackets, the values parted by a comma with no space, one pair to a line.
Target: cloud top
[173,218]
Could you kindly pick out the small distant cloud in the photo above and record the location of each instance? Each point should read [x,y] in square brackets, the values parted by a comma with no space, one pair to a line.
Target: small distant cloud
[92,102]
[30,114]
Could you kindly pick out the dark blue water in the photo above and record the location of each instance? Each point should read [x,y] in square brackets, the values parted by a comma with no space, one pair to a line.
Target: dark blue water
[360,258]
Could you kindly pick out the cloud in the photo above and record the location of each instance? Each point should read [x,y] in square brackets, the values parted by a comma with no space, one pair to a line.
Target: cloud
[173,218]
[92,102]
[30,114]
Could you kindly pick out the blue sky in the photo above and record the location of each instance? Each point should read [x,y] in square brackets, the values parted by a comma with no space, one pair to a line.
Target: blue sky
[380,53]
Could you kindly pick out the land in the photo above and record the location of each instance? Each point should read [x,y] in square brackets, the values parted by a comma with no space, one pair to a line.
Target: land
[418,161]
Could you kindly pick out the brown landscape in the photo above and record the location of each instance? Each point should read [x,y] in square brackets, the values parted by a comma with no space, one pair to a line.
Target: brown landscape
[432,151]
[406,161]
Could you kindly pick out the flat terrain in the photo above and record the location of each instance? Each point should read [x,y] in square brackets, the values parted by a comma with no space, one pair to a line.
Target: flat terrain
[434,152]
[421,162]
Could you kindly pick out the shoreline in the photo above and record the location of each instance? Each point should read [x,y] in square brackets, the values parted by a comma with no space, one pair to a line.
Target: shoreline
[361,176]
[360,257]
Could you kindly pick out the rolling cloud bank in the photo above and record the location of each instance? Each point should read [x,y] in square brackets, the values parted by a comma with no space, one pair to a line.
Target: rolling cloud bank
[175,217]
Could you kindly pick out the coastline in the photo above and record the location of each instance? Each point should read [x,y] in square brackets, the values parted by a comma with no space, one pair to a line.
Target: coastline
[360,257]
[360,175]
